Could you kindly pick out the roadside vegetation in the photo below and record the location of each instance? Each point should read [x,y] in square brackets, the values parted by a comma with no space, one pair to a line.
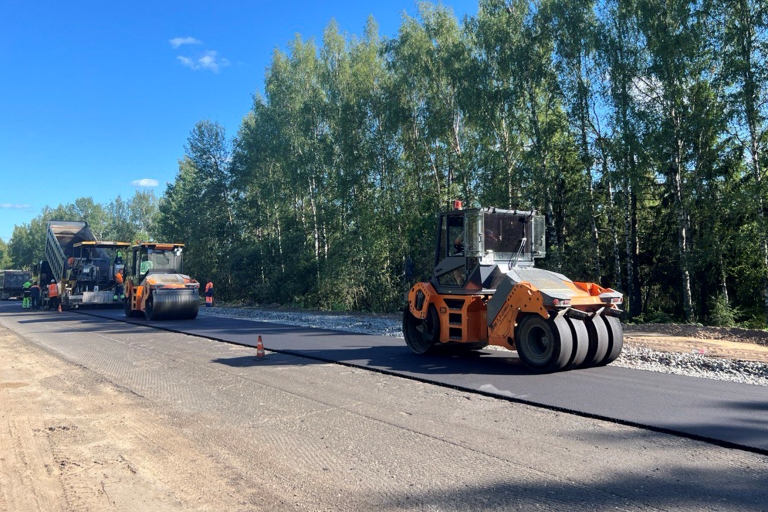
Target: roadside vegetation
[636,126]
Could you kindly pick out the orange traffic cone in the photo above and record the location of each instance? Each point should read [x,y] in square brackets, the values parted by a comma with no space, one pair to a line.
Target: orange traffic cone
[260,348]
[59,308]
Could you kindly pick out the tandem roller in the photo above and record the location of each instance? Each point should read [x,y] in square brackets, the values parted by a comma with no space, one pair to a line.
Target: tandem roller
[155,285]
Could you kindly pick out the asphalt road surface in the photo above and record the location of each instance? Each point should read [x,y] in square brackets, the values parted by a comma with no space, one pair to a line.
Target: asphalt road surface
[288,432]
[725,413]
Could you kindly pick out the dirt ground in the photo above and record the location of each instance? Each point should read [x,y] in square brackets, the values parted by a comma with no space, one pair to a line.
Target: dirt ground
[62,447]
[728,343]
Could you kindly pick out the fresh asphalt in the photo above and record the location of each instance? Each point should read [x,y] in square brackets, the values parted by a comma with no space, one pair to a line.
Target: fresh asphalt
[724,413]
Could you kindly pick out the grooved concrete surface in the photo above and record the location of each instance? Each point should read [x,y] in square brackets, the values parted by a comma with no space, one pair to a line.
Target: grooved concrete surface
[293,433]
[734,414]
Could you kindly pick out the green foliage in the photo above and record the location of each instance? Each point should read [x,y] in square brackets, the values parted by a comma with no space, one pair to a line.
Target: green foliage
[609,117]
[722,313]
[637,126]
[5,258]
[653,317]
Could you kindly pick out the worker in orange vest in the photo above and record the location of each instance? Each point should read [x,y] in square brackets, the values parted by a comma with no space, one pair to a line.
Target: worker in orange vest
[209,294]
[53,295]
[119,284]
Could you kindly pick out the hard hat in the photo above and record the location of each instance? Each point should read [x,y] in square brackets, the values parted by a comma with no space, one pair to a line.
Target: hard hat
[53,280]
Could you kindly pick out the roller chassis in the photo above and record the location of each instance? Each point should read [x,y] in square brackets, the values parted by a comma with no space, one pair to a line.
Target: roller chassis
[161,304]
[546,340]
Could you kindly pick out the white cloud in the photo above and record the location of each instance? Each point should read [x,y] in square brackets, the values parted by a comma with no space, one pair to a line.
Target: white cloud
[178,41]
[144,182]
[210,60]
[10,206]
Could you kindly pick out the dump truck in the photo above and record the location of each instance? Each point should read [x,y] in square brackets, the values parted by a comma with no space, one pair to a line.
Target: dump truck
[11,283]
[485,290]
[83,267]
[155,285]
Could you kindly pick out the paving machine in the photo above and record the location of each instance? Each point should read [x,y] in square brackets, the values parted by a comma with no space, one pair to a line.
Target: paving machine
[485,290]
[83,267]
[91,273]
[155,285]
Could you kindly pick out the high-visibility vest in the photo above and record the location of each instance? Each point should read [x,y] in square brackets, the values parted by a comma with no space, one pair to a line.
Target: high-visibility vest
[209,287]
[53,290]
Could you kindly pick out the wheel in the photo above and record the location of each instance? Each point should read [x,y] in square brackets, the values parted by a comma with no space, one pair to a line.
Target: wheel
[616,337]
[580,337]
[544,345]
[130,313]
[421,335]
[149,309]
[598,341]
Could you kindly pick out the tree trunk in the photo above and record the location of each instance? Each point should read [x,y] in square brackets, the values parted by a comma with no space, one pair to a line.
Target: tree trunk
[632,242]
[315,227]
[614,232]
[682,227]
[279,241]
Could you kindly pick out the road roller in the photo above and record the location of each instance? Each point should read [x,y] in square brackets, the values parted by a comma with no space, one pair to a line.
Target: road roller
[155,285]
[485,290]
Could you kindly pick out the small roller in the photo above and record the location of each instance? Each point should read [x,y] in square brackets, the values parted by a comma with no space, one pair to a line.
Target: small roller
[155,285]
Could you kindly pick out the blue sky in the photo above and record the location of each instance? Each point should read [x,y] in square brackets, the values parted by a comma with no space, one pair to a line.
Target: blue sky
[97,98]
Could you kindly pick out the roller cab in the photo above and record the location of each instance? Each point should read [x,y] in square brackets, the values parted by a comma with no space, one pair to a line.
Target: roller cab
[155,285]
[485,290]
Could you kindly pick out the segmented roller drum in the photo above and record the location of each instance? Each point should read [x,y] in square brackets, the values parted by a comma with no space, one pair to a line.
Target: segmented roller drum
[545,345]
[616,339]
[172,304]
[421,335]
[580,338]
[598,341]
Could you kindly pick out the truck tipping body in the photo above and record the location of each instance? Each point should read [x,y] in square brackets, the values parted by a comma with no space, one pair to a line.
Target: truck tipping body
[12,282]
[59,244]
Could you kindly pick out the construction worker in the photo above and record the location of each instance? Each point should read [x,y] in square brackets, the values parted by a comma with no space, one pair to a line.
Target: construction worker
[35,295]
[209,294]
[26,293]
[119,284]
[490,240]
[53,295]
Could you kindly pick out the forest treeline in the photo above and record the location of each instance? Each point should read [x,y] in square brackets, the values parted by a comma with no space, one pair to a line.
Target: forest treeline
[638,127]
[124,220]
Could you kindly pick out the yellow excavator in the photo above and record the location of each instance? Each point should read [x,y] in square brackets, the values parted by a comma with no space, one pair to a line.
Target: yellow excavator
[485,290]
[155,285]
